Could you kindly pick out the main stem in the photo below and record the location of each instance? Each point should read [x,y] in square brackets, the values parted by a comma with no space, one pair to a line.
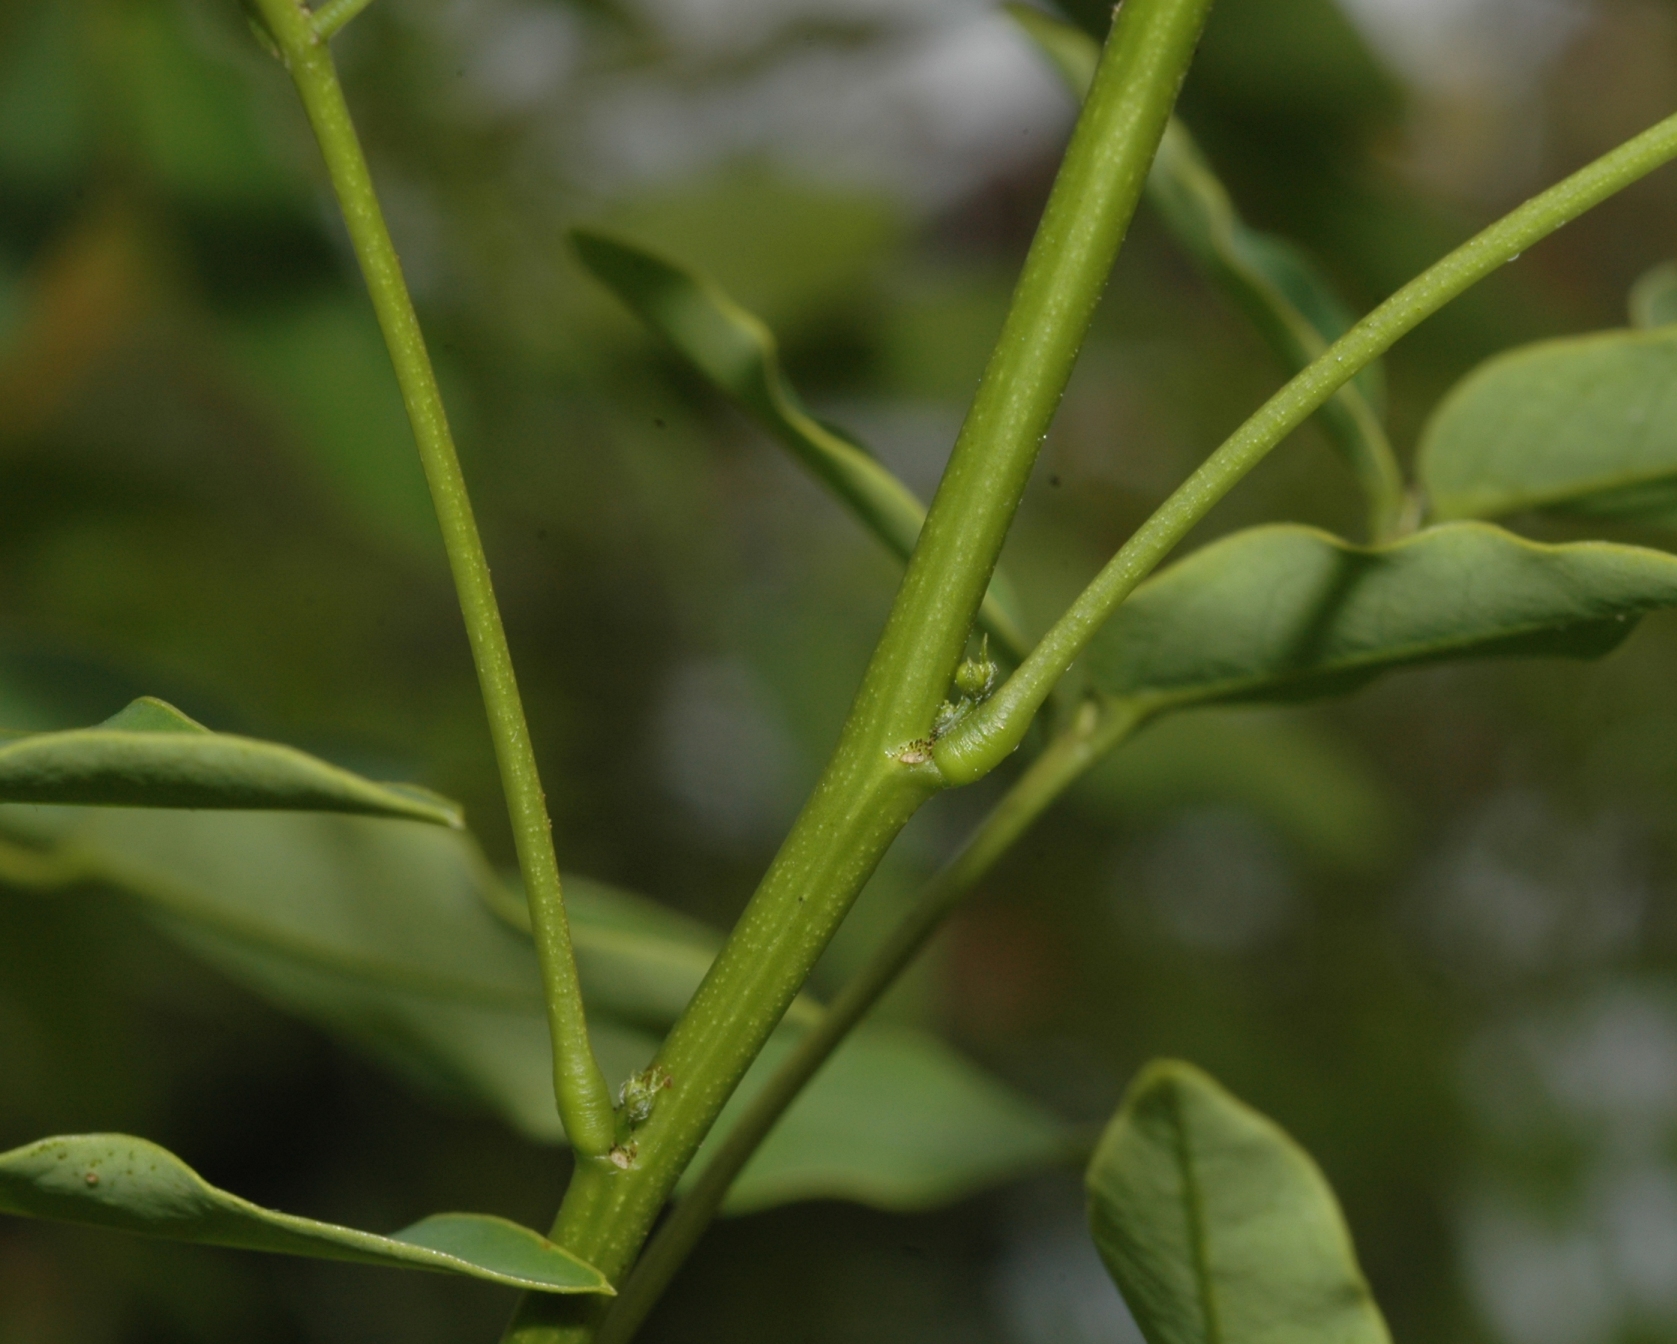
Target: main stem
[880,772]
[1097,728]
[580,1088]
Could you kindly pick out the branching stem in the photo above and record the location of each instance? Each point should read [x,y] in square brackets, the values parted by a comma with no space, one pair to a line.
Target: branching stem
[330,18]
[997,727]
[1097,728]
[879,774]
[583,1097]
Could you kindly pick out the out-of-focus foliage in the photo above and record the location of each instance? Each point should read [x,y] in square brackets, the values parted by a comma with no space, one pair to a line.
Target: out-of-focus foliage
[1427,928]
[737,353]
[392,938]
[1273,282]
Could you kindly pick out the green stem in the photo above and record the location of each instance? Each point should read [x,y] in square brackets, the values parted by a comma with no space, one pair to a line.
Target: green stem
[330,18]
[880,772]
[996,728]
[580,1088]
[1097,729]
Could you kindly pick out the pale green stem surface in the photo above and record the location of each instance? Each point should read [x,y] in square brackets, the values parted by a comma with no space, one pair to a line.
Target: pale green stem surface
[583,1097]
[880,773]
[993,730]
[1097,728]
[330,18]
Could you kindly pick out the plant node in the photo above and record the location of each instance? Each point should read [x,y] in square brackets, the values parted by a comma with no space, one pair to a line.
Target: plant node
[974,679]
[639,1094]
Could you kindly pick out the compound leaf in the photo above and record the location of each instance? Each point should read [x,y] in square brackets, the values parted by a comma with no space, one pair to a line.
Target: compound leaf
[130,1185]
[152,755]
[896,1120]
[1587,424]
[1288,612]
[738,354]
[1217,1226]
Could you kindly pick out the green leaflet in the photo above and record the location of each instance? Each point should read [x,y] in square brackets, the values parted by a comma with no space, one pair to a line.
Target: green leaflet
[1586,424]
[739,355]
[1288,612]
[397,939]
[152,755]
[895,1120]
[1218,1227]
[129,1185]
[1275,284]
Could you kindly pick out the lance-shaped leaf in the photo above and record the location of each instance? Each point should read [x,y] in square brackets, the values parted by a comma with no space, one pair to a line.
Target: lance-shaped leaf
[130,1185]
[1587,424]
[1288,612]
[737,353]
[152,755]
[1217,1226]
[896,1120]
[1275,284]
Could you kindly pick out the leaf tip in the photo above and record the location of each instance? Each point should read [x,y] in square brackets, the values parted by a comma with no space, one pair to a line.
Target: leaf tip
[148,714]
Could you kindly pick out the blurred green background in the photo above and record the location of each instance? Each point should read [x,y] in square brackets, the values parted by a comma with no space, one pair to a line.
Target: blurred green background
[1430,929]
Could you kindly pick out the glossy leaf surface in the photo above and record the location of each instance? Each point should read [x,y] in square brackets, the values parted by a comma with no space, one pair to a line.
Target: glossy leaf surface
[1586,424]
[152,755]
[739,355]
[1218,1227]
[130,1185]
[1286,612]
[896,1120]
[1276,285]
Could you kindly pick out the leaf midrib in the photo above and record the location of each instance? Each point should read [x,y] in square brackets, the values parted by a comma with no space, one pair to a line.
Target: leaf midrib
[1194,1208]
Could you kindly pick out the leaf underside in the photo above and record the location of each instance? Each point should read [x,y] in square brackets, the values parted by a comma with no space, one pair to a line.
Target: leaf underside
[129,1185]
[1289,612]
[1587,424]
[152,755]
[384,935]
[1217,1227]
